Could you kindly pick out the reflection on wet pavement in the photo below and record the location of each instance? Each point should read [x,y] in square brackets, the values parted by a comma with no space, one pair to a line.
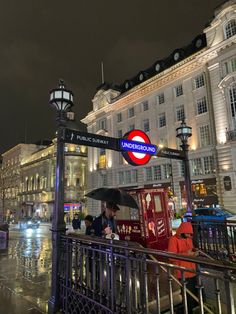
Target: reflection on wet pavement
[25,272]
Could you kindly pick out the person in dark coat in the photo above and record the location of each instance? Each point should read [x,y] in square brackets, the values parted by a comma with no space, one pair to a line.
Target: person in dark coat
[88,220]
[105,224]
[76,223]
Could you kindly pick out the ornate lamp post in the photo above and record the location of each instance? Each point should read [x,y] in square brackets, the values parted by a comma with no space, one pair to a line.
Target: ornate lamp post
[183,132]
[61,99]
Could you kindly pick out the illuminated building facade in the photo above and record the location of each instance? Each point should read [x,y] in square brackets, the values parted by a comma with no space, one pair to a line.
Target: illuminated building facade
[196,82]
[31,191]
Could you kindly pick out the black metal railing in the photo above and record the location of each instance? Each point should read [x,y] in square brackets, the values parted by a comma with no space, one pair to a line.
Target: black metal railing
[106,276]
[216,238]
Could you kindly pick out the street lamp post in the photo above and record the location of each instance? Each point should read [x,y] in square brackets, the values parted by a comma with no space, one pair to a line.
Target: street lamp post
[61,99]
[183,132]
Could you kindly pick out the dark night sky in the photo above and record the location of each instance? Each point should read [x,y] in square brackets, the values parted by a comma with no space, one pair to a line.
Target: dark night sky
[42,41]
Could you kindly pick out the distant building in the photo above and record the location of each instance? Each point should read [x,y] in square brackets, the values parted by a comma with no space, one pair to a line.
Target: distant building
[196,82]
[28,180]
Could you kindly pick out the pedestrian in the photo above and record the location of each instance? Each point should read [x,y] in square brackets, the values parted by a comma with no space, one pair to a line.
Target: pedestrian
[76,223]
[88,220]
[105,224]
[181,243]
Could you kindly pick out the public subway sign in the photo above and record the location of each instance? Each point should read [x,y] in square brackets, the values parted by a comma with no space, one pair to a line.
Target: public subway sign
[136,148]
[90,139]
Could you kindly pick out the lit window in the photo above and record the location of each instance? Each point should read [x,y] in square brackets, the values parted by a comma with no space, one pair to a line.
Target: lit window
[146,127]
[148,173]
[161,98]
[199,81]
[230,29]
[119,117]
[130,112]
[229,66]
[209,166]
[119,133]
[205,139]
[121,177]
[145,105]
[178,90]
[131,127]
[196,166]
[180,113]
[166,171]
[232,97]
[157,173]
[162,120]
[201,105]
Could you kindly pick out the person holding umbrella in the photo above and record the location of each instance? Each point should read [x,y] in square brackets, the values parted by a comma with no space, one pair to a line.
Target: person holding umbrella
[105,224]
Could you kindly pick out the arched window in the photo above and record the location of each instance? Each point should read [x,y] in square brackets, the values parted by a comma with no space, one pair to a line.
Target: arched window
[230,29]
[232,98]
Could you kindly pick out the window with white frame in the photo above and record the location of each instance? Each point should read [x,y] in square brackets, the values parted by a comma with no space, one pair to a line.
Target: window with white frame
[131,127]
[229,66]
[209,165]
[161,98]
[162,120]
[156,172]
[199,81]
[146,127]
[128,176]
[145,105]
[196,166]
[134,176]
[205,138]
[232,98]
[181,168]
[102,124]
[180,113]
[201,105]
[178,90]
[148,174]
[230,29]
[131,112]
[121,177]
[104,181]
[166,171]
[119,117]
[119,133]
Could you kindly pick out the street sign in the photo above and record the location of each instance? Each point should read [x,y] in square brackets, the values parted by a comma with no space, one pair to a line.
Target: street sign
[136,148]
[90,139]
[171,153]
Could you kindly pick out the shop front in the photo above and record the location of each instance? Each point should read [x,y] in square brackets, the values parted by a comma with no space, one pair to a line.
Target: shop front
[203,192]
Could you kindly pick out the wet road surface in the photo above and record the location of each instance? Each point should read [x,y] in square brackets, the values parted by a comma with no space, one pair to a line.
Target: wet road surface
[25,271]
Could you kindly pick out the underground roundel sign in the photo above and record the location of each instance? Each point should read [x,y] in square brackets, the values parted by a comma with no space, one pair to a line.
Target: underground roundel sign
[136,148]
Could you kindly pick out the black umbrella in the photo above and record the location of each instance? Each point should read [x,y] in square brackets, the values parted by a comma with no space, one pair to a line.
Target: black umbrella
[117,196]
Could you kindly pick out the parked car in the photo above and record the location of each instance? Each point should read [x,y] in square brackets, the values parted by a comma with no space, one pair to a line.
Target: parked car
[28,223]
[212,213]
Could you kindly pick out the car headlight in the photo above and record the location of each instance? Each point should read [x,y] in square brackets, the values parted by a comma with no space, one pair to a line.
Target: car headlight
[29,222]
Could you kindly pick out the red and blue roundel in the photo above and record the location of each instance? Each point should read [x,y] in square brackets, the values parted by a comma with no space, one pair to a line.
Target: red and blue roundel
[136,148]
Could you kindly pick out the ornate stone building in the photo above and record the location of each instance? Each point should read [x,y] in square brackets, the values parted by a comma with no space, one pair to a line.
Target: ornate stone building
[196,82]
[29,179]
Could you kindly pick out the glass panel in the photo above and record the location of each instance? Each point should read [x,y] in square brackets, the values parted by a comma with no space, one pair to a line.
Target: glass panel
[157,201]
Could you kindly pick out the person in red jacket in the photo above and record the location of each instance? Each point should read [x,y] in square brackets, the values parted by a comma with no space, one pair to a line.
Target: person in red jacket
[182,243]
